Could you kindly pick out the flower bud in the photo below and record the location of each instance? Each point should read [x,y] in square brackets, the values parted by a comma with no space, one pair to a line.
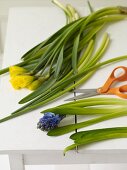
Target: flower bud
[34,85]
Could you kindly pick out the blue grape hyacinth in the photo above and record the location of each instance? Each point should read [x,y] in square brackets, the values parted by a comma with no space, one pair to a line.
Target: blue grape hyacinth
[49,121]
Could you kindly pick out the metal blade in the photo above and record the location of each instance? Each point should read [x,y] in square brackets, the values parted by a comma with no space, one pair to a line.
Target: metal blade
[85,95]
[84,90]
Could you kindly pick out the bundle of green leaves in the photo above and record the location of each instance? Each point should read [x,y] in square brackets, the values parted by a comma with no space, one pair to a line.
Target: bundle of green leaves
[103,108]
[68,55]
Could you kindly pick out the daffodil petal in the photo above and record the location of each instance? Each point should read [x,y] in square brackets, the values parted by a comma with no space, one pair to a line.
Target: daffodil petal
[21,81]
[16,70]
[15,86]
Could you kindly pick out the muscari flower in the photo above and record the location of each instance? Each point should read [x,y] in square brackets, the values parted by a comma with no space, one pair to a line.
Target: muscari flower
[49,121]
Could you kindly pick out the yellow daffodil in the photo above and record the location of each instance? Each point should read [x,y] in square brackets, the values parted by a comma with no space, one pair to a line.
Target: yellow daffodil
[21,81]
[16,70]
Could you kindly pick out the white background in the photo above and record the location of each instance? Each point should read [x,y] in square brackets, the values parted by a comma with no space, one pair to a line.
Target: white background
[4,165]
[4,5]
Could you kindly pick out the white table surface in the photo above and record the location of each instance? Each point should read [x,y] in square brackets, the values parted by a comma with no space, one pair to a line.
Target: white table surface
[26,28]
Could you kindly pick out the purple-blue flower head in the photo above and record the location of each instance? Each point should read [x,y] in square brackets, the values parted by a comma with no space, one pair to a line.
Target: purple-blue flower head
[49,121]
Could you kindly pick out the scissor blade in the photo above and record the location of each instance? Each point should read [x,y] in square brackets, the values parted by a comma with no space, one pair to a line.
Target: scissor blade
[84,90]
[85,95]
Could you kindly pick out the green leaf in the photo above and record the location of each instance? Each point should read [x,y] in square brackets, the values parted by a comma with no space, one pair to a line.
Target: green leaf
[73,110]
[90,35]
[96,135]
[75,53]
[94,102]
[85,57]
[59,63]
[91,133]
[69,148]
[100,51]
[90,7]
[66,11]
[101,138]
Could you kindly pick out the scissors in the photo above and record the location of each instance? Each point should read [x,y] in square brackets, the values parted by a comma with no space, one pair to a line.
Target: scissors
[106,89]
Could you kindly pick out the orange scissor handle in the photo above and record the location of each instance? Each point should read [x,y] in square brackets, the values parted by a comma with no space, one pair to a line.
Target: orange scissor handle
[119,91]
[112,78]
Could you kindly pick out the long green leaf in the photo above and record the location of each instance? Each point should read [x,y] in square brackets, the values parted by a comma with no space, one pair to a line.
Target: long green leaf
[100,51]
[75,53]
[59,63]
[94,102]
[73,110]
[96,132]
[90,7]
[102,137]
[87,137]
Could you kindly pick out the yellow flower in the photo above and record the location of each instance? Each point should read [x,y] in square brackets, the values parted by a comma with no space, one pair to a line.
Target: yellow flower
[16,70]
[21,81]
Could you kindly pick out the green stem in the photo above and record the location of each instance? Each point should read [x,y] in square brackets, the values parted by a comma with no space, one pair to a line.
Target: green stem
[73,146]
[5,70]
[66,11]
